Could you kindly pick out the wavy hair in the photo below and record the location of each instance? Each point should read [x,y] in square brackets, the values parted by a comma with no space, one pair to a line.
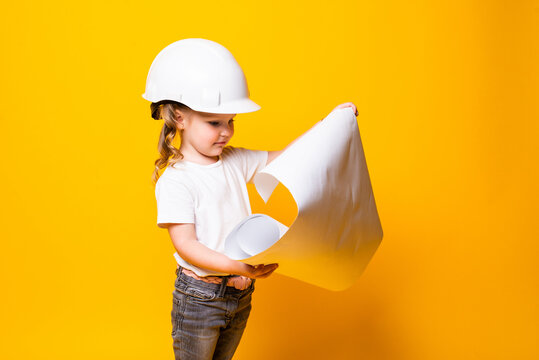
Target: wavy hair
[169,153]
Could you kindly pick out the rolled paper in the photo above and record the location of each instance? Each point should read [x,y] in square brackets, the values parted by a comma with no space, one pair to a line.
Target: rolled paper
[337,228]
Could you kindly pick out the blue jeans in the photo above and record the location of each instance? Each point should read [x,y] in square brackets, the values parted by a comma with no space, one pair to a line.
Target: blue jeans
[207,319]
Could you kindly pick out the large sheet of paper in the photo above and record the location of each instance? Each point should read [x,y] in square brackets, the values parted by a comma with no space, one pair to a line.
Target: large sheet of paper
[337,229]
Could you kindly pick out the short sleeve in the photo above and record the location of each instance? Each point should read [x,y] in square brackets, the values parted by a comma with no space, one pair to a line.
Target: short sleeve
[250,161]
[174,202]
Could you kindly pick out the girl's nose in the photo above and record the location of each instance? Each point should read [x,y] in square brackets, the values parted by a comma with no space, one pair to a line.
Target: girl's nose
[226,130]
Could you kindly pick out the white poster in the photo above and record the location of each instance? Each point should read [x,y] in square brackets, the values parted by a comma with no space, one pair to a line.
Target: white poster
[337,229]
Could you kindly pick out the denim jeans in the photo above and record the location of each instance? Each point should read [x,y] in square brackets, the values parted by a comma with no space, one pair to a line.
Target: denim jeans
[207,319]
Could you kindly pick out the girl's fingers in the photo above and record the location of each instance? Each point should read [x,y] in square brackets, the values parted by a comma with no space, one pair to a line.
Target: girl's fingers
[265,275]
[262,271]
[348,104]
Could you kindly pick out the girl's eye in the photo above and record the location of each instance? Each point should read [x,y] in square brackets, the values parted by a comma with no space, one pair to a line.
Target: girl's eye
[216,123]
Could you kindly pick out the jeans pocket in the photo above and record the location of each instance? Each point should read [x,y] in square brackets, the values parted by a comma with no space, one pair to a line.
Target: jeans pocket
[197,293]
[249,290]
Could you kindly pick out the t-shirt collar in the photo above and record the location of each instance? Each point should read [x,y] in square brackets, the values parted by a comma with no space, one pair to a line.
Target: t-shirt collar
[193,164]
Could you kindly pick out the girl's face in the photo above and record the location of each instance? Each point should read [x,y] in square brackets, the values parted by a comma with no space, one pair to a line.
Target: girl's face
[204,135]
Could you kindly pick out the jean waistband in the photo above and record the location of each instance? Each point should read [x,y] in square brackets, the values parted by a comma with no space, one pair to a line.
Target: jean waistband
[226,283]
[214,279]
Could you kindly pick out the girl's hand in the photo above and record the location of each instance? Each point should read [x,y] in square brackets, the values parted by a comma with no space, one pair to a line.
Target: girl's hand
[347,104]
[259,271]
[240,282]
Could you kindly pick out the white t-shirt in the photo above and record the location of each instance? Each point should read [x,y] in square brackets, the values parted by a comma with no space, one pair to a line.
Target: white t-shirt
[214,197]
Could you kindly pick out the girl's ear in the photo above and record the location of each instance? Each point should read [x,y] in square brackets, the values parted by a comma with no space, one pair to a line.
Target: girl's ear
[180,119]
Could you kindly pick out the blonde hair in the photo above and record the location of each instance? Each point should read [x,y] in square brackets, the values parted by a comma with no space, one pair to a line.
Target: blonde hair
[169,153]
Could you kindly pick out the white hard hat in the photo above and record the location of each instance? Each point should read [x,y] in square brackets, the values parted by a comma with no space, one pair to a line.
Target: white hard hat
[201,74]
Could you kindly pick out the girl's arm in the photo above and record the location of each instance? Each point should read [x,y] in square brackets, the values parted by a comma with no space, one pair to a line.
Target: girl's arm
[273,154]
[191,250]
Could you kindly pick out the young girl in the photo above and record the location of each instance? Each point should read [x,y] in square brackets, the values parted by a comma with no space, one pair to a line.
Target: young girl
[197,87]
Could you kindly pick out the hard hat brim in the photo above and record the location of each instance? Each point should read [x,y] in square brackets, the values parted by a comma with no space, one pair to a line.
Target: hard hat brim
[230,107]
[239,106]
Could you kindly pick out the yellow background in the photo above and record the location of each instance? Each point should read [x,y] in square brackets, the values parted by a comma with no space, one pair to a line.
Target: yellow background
[447,93]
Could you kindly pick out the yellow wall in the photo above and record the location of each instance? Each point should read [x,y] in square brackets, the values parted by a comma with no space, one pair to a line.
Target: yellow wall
[447,94]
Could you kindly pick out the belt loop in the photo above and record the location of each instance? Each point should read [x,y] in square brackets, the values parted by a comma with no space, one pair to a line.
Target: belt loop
[222,289]
[178,270]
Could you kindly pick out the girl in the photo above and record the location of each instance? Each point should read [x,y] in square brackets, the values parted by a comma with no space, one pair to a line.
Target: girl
[197,87]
